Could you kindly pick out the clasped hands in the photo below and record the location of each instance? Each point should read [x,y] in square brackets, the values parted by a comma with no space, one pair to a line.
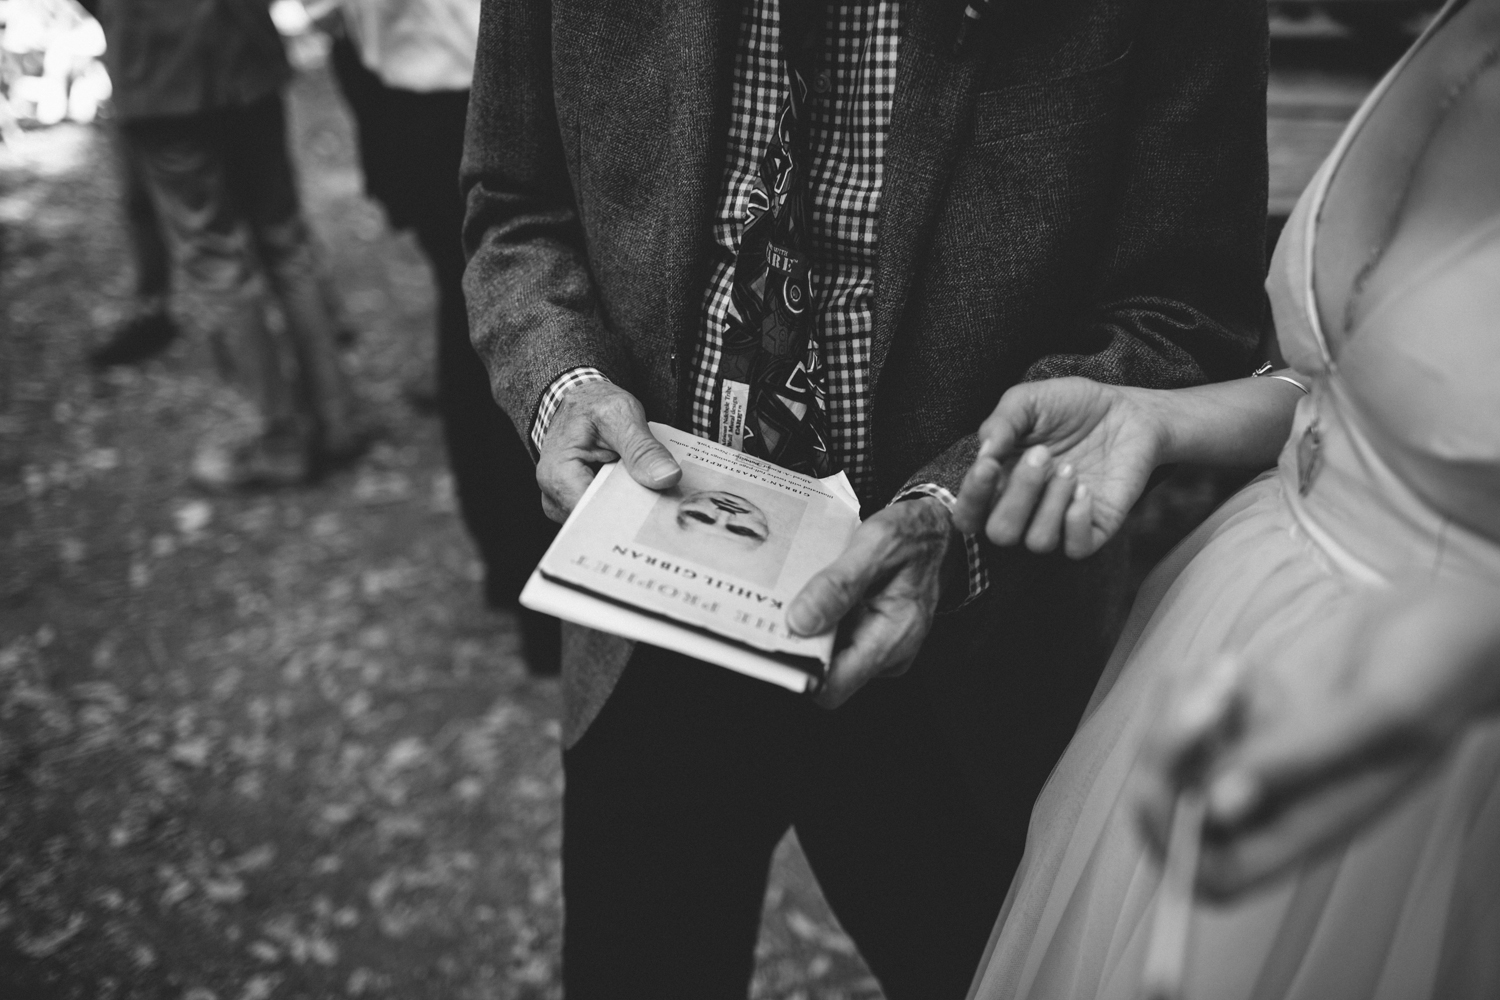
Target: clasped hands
[881,593]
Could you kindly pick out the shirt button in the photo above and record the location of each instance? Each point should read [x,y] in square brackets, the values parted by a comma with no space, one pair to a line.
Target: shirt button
[823,83]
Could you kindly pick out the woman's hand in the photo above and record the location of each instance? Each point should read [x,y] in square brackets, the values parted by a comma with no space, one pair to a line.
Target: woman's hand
[1296,752]
[1061,461]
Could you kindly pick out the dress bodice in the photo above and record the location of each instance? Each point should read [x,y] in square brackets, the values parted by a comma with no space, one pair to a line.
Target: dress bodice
[1394,459]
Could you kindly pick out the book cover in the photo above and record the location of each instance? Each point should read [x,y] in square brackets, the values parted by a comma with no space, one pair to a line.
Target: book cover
[708,567]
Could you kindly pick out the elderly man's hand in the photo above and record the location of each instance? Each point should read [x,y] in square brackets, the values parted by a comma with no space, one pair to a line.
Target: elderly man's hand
[598,423]
[882,592]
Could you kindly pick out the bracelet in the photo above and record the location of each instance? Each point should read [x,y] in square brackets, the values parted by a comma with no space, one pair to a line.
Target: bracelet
[1265,369]
[1287,378]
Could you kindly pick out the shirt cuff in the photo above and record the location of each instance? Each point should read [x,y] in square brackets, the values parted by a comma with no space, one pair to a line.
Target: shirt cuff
[979,577]
[552,399]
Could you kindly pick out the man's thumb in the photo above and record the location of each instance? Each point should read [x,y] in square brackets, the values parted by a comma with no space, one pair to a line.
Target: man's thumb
[646,459]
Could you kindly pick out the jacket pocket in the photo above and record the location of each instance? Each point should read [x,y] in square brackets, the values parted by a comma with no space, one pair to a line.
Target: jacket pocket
[1051,104]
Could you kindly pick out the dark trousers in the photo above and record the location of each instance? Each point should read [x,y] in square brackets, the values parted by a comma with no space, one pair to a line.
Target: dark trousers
[679,792]
[153,259]
[911,801]
[410,145]
[222,183]
[494,475]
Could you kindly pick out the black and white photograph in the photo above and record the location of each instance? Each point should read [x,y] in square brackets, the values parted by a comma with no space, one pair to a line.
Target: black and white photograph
[725,524]
[749,499]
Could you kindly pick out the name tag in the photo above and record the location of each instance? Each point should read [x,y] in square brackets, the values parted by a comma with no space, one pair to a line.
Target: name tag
[734,400]
[781,259]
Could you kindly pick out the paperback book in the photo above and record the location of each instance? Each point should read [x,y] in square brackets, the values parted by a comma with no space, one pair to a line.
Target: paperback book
[707,568]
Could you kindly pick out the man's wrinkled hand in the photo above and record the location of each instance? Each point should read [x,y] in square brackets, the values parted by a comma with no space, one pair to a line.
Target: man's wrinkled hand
[881,593]
[598,423]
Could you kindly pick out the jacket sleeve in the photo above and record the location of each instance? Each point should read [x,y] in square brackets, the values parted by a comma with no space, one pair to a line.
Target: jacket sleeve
[534,313]
[1179,297]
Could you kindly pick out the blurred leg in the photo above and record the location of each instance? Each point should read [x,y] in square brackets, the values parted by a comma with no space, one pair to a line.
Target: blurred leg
[492,470]
[149,330]
[260,175]
[148,241]
[188,181]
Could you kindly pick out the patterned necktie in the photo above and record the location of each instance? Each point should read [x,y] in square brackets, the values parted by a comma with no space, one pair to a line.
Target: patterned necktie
[771,374]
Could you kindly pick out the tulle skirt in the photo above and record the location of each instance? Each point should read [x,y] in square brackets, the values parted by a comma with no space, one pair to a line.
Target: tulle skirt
[1409,909]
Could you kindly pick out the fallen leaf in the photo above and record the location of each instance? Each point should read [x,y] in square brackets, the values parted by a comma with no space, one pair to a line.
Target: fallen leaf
[265,951]
[102,459]
[224,890]
[45,945]
[192,517]
[255,859]
[191,752]
[259,988]
[404,753]
[322,951]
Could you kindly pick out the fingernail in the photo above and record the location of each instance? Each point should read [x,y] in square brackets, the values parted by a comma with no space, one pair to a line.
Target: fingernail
[803,621]
[1037,457]
[1066,471]
[1233,797]
[1081,493]
[664,469]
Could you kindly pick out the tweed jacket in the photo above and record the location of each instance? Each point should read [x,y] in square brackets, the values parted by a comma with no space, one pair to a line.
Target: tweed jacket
[1080,191]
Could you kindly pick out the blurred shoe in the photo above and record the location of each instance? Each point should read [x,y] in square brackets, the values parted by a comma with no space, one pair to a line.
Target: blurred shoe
[143,337]
[541,643]
[264,463]
[337,451]
[421,396]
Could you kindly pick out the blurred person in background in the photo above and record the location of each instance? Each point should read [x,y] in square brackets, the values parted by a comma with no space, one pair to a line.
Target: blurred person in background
[150,328]
[197,92]
[405,67]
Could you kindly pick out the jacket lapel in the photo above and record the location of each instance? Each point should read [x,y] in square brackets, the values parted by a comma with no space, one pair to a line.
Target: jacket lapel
[702,44]
[934,97]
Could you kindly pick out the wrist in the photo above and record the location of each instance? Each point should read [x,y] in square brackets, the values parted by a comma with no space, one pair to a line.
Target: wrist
[953,564]
[934,517]
[932,513]
[1156,411]
[558,392]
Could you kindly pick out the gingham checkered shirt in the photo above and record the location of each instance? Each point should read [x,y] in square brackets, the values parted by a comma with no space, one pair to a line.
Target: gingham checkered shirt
[850,115]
